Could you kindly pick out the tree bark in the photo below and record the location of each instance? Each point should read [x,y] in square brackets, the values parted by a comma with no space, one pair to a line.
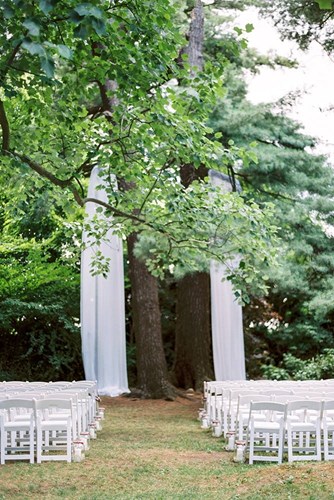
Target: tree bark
[193,354]
[193,363]
[152,374]
[194,48]
[193,357]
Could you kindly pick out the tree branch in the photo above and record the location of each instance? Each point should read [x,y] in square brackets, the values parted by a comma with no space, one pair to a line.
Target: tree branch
[10,60]
[48,175]
[164,167]
[115,211]
[4,124]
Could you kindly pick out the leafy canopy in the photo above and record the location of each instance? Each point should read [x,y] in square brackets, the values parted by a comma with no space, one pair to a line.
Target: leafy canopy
[102,83]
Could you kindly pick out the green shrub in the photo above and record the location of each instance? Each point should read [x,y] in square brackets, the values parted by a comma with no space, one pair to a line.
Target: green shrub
[316,368]
[39,316]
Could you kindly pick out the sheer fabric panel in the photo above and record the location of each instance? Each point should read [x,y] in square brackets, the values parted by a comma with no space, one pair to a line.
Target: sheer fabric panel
[103,307]
[226,315]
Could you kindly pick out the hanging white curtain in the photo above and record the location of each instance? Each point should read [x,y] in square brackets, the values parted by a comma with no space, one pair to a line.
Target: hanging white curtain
[226,315]
[102,306]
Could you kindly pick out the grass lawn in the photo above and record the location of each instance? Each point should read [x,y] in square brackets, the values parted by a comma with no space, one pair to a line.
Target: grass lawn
[156,450]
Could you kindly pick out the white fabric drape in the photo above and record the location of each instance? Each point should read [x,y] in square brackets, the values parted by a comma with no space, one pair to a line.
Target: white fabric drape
[103,307]
[226,315]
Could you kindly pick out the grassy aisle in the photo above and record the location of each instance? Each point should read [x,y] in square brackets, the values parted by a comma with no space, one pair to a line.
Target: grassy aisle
[156,450]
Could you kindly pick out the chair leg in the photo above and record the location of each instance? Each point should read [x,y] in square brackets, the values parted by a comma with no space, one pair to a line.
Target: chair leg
[251,445]
[3,438]
[318,441]
[280,445]
[69,443]
[289,439]
[39,444]
[31,444]
[326,444]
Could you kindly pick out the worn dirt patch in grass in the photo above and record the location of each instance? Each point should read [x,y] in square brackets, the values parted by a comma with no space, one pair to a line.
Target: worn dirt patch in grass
[187,405]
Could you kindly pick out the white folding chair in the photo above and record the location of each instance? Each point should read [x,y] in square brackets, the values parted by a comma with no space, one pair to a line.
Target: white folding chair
[328,429]
[85,406]
[54,434]
[303,430]
[17,434]
[57,413]
[265,436]
[242,413]
[232,404]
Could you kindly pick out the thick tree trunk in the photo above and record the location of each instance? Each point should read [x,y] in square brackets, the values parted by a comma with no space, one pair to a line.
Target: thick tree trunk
[193,358]
[196,38]
[193,363]
[152,375]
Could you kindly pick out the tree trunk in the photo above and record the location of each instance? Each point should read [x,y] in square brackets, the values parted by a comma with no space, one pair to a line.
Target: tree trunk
[193,354]
[196,38]
[193,363]
[152,375]
[193,358]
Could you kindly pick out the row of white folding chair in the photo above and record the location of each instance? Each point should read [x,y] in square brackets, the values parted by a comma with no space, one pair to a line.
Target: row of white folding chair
[218,404]
[86,390]
[89,393]
[82,404]
[224,403]
[85,407]
[230,400]
[77,417]
[243,405]
[25,385]
[244,401]
[216,387]
[305,428]
[17,429]
[218,398]
[82,407]
[257,383]
[215,392]
[233,400]
[285,422]
[211,389]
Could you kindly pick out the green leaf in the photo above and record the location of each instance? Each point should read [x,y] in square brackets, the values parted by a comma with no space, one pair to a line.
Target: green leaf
[88,9]
[8,12]
[81,31]
[99,27]
[32,27]
[74,17]
[64,51]
[48,66]
[249,27]
[33,48]
[46,6]
[325,4]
